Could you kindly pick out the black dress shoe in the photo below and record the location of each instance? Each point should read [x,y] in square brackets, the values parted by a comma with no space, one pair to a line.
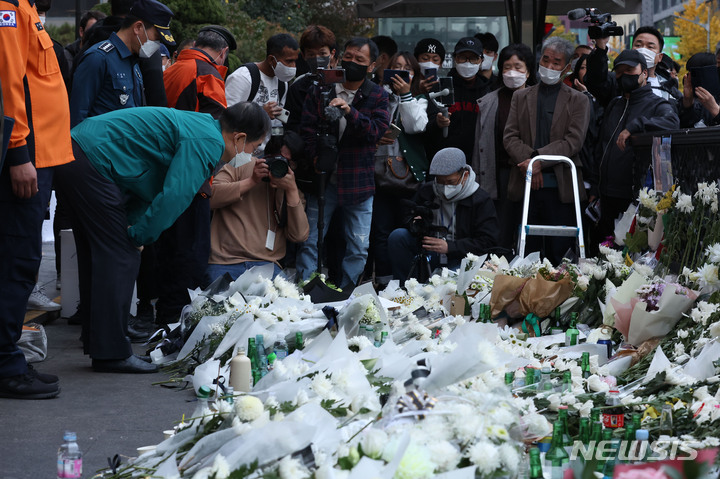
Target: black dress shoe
[131,365]
[27,386]
[136,336]
[43,377]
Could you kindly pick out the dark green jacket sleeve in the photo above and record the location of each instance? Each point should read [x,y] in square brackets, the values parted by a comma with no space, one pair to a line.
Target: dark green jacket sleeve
[191,165]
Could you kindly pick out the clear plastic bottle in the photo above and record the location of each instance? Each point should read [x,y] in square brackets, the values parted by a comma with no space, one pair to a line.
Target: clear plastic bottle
[69,462]
[545,384]
[281,348]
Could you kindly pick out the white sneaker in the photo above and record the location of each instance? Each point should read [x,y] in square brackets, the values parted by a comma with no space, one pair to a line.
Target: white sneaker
[38,301]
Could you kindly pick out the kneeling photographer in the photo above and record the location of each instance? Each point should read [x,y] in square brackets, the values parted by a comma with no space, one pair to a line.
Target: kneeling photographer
[449,218]
[257,208]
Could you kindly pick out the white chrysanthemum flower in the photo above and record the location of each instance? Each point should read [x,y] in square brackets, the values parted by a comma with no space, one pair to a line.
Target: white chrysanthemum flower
[709,275]
[713,253]
[248,408]
[679,349]
[415,464]
[583,283]
[510,458]
[702,312]
[643,269]
[584,408]
[682,333]
[373,442]
[599,273]
[684,203]
[444,454]
[323,387]
[300,398]
[485,456]
[240,427]
[714,329]
[290,468]
[223,408]
[707,193]
[360,342]
[648,198]
[220,468]
[597,385]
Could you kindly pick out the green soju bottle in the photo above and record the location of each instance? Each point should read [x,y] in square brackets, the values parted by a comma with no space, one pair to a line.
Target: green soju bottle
[535,464]
[557,457]
[567,382]
[572,334]
[585,364]
[584,434]
[556,324]
[567,441]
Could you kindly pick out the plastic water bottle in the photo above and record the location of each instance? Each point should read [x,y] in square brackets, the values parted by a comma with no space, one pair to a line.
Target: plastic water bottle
[69,463]
[281,348]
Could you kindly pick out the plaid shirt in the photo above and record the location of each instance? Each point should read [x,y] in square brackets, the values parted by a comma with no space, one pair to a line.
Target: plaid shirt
[367,122]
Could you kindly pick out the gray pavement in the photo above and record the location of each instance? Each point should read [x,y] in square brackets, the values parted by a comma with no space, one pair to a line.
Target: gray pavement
[111,413]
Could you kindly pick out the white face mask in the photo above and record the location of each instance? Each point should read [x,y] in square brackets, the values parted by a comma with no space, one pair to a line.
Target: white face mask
[649,56]
[548,76]
[514,79]
[284,72]
[451,191]
[240,158]
[148,48]
[487,63]
[427,65]
[467,70]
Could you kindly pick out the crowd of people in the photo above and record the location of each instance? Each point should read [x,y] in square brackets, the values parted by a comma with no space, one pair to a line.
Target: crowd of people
[372,161]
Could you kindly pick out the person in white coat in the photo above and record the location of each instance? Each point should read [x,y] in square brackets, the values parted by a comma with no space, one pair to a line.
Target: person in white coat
[400,161]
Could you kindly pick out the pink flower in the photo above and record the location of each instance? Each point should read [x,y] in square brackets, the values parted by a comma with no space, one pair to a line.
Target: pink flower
[641,472]
[610,381]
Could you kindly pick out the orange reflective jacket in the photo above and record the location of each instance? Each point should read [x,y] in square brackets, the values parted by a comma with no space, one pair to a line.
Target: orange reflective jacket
[33,89]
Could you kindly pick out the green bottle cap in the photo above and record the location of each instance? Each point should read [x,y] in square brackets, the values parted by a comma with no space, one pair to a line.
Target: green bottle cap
[204,392]
[272,357]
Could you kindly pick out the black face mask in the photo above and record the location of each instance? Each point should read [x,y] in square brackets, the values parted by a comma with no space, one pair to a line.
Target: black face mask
[318,62]
[354,71]
[629,83]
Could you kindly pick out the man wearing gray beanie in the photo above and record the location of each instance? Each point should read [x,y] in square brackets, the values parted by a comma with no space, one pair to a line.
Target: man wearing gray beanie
[463,218]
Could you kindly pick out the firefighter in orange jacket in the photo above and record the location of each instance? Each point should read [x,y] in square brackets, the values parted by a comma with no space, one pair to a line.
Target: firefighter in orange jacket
[34,95]
[195,82]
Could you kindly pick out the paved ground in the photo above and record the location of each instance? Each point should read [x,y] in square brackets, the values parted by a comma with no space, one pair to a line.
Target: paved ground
[111,413]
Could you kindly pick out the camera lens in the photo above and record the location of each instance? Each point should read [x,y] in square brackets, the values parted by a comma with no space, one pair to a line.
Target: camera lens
[278,167]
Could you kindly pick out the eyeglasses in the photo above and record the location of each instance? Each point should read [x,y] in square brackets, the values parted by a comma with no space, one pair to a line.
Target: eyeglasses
[465,59]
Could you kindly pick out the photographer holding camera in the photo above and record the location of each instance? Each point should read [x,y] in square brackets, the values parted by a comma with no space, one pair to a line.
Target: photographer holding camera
[649,42]
[342,124]
[257,209]
[453,217]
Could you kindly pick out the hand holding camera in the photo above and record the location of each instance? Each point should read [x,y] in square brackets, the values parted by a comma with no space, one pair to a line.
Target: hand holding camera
[260,171]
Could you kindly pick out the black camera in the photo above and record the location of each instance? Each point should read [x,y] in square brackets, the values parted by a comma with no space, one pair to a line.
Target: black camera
[278,165]
[601,26]
[421,222]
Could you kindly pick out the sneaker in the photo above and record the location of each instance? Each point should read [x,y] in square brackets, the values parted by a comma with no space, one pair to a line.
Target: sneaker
[43,377]
[27,386]
[39,302]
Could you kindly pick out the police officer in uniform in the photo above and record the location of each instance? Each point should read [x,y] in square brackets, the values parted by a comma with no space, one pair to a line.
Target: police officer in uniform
[108,71]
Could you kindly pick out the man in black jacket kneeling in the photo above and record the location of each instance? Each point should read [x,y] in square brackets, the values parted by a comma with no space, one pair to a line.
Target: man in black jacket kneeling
[462,215]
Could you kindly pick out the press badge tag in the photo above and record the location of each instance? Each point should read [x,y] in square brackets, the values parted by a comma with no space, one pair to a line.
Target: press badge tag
[270,240]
